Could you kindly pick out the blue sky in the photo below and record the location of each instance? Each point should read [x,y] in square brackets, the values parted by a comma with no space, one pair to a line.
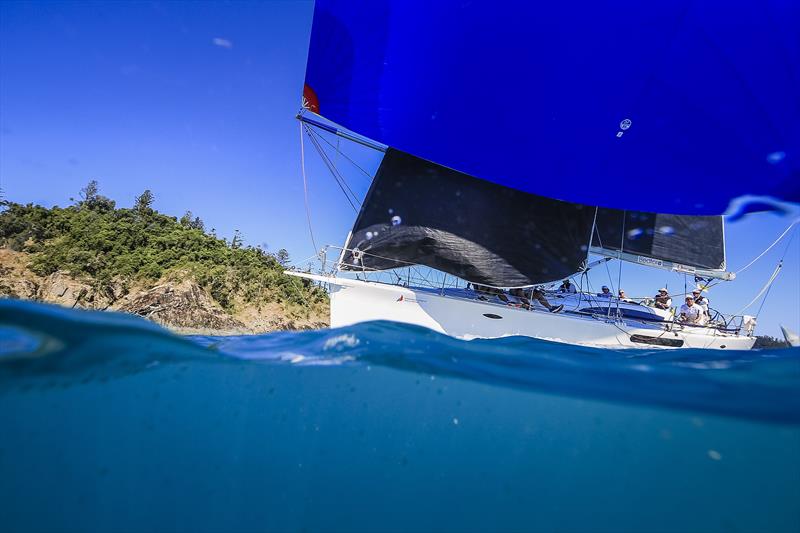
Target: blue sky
[196,101]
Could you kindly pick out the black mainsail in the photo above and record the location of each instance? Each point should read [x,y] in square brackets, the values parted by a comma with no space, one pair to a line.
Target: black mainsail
[418,212]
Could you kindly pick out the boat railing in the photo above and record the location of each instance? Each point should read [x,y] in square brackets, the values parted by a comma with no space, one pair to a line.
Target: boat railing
[412,275]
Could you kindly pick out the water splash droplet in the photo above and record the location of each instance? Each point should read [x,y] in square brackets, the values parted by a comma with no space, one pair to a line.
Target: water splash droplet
[666,230]
[396,220]
[635,233]
[369,235]
[776,157]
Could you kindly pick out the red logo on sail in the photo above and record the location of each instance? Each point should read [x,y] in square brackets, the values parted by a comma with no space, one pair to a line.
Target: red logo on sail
[310,100]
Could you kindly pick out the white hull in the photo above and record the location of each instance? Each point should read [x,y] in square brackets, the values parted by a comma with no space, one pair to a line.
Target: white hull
[354,301]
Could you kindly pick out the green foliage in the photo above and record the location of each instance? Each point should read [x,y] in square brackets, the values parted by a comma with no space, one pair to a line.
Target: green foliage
[94,239]
[144,202]
[765,341]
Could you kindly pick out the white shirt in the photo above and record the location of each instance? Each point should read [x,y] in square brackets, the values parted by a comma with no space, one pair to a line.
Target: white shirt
[604,294]
[703,304]
[570,290]
[691,314]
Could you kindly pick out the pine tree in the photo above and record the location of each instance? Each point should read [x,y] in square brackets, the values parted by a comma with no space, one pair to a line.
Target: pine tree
[144,202]
[282,256]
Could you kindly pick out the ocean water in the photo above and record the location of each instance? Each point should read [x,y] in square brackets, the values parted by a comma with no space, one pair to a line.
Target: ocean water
[109,423]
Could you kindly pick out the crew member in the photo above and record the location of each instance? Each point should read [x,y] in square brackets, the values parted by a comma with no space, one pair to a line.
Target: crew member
[663,300]
[700,300]
[538,295]
[567,287]
[606,293]
[691,313]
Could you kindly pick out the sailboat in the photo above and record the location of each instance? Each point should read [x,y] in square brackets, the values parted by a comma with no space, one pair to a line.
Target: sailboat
[474,189]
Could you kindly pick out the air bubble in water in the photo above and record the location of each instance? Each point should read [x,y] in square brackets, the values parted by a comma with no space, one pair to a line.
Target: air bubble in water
[396,220]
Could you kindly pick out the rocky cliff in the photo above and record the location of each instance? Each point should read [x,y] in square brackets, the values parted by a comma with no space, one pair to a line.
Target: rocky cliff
[176,301]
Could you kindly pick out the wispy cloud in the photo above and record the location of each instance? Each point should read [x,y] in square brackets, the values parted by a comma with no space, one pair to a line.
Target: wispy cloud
[224,43]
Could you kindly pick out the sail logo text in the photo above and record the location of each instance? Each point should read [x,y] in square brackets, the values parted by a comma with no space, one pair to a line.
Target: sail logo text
[649,261]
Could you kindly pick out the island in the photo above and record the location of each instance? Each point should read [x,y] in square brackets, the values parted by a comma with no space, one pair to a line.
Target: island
[95,255]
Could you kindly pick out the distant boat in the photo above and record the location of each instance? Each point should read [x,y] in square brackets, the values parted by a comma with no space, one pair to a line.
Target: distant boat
[486,119]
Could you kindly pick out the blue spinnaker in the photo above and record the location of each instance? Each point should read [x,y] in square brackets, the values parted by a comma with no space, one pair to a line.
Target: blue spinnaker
[671,107]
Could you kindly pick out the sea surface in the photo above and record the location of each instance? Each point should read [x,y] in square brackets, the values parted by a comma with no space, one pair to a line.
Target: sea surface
[110,423]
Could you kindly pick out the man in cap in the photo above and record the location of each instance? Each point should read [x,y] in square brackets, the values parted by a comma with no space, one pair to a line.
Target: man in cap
[605,292]
[663,300]
[567,287]
[701,302]
[691,313]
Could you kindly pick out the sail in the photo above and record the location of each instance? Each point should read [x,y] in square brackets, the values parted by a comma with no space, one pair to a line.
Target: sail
[417,212]
[679,242]
[673,107]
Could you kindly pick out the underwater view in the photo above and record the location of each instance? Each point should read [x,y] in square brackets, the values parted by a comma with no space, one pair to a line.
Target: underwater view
[110,423]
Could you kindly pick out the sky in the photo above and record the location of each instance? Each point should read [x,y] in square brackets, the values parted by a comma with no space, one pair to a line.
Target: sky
[196,101]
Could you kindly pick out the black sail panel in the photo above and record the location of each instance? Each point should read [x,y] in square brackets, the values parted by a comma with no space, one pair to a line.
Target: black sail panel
[418,212]
[695,241]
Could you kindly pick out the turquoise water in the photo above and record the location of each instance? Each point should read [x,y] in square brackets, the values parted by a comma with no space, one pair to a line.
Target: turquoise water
[108,423]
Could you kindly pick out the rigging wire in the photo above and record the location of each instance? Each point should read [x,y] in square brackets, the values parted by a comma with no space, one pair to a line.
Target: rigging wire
[367,174]
[343,186]
[608,270]
[305,187]
[313,134]
[794,223]
[334,169]
[619,275]
[764,289]
[768,286]
[759,256]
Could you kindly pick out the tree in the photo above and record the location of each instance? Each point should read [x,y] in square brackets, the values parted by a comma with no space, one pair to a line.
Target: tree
[236,242]
[282,256]
[92,199]
[144,202]
[189,222]
[90,192]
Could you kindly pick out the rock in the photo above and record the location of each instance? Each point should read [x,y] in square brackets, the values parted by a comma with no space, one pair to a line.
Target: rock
[177,301]
[180,305]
